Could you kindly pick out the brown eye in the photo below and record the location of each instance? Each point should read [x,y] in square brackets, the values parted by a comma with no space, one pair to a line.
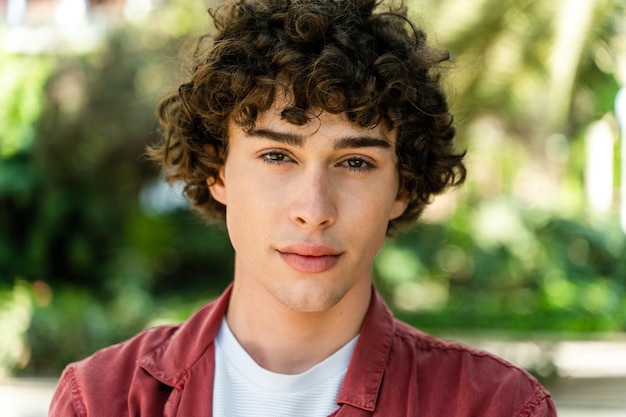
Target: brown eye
[274,157]
[358,165]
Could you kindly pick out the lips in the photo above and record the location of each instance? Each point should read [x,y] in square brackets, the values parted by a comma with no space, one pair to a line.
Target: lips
[310,258]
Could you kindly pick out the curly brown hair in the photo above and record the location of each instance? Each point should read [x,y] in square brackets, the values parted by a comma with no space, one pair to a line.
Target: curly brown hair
[339,56]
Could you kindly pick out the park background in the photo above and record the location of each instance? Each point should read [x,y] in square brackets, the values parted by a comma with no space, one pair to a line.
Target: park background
[94,247]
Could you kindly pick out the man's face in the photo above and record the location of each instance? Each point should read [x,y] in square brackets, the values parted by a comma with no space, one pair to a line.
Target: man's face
[307,207]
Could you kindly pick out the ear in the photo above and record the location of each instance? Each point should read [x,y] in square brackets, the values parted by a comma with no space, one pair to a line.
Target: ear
[399,205]
[217,186]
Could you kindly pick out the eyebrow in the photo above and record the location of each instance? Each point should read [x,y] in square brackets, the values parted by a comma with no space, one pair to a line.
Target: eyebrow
[345,142]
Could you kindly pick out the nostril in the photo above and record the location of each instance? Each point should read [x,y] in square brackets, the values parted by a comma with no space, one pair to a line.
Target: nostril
[313,222]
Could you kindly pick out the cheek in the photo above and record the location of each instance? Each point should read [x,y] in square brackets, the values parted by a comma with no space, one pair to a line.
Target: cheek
[238,215]
[385,202]
[249,214]
[370,240]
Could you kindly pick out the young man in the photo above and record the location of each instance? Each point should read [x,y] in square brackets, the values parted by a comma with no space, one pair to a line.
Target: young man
[313,128]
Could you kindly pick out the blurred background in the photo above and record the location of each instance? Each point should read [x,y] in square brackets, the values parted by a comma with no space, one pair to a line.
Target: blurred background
[527,259]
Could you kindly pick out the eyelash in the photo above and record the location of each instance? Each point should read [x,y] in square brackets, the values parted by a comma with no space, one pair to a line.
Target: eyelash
[366,166]
[279,158]
[275,157]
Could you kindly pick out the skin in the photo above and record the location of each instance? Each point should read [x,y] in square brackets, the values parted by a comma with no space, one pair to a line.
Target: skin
[307,209]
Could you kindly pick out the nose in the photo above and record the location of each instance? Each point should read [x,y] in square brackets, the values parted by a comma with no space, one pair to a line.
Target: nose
[314,200]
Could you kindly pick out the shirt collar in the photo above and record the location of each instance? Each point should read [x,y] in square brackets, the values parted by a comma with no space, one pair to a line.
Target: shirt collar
[365,373]
[171,362]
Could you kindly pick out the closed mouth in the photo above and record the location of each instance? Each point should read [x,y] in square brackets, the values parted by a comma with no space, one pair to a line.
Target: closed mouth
[310,258]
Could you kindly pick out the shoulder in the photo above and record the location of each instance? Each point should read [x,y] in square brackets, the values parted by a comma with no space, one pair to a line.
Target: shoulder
[141,372]
[410,341]
[104,378]
[124,355]
[473,378]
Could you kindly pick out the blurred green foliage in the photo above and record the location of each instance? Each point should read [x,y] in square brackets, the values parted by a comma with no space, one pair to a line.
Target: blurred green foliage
[502,268]
[88,257]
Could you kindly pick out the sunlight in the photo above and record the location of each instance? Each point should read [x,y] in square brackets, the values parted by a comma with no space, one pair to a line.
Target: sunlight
[572,27]
[599,144]
[71,12]
[620,112]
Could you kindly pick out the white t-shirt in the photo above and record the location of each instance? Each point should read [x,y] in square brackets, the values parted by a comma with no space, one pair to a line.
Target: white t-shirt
[243,388]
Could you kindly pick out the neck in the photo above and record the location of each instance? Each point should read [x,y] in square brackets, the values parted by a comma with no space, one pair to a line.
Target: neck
[286,341]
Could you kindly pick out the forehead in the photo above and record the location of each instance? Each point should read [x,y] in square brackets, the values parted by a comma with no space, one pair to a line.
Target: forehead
[319,123]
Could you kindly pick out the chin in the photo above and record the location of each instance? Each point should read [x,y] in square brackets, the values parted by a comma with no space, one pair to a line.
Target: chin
[316,300]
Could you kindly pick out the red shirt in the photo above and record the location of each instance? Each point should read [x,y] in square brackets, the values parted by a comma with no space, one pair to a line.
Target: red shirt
[395,371]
